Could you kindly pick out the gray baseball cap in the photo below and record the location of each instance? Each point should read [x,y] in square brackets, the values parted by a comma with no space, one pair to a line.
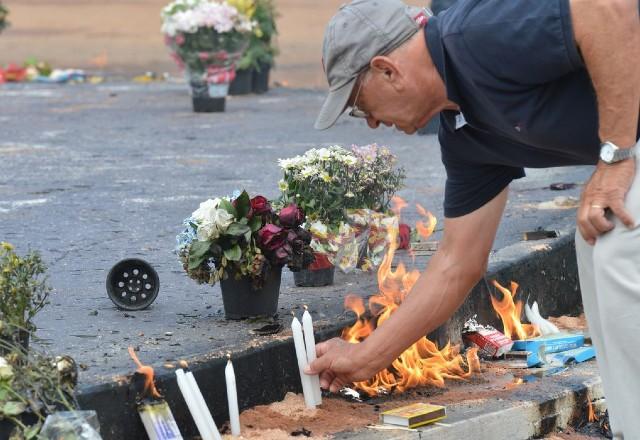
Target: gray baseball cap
[357,33]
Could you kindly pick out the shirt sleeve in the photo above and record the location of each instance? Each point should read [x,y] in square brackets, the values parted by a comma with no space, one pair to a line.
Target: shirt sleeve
[528,42]
[471,185]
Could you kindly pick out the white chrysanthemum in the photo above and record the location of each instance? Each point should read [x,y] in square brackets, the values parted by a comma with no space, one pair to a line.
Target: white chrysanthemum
[319,229]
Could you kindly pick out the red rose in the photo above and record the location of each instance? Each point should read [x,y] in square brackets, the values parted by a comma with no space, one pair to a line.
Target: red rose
[260,205]
[291,216]
[404,236]
[272,237]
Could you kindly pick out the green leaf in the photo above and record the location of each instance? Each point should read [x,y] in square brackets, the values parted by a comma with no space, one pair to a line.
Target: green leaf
[227,206]
[243,205]
[237,229]
[198,253]
[13,408]
[255,224]
[233,254]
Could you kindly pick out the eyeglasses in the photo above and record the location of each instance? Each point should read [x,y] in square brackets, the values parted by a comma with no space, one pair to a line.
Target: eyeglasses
[355,111]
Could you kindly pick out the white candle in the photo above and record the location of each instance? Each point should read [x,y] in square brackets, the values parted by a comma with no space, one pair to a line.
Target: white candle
[232,398]
[310,344]
[192,404]
[301,354]
[212,429]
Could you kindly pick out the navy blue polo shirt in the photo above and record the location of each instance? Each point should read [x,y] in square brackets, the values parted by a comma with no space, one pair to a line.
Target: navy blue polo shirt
[514,69]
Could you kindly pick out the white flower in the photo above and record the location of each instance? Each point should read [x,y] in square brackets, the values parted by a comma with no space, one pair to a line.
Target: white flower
[319,229]
[283,186]
[324,154]
[6,372]
[205,212]
[223,219]
[309,171]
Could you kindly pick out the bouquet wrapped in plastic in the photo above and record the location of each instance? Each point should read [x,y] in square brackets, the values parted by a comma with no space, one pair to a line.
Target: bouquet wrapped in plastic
[206,39]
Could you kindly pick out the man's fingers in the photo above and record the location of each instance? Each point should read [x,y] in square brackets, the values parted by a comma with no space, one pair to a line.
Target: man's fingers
[336,385]
[598,219]
[326,377]
[621,212]
[318,366]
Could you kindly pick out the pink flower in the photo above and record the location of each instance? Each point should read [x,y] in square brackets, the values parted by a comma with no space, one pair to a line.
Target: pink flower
[180,39]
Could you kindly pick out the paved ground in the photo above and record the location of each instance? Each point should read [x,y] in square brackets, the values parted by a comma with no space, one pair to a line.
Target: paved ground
[123,36]
[93,174]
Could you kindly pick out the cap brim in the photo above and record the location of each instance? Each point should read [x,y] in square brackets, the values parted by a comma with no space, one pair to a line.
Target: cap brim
[334,106]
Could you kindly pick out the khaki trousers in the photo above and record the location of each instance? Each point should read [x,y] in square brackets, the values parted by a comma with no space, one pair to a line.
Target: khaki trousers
[610,284]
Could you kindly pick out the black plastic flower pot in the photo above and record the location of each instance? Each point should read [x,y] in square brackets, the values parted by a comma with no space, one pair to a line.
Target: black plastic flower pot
[261,79]
[242,301]
[242,84]
[208,105]
[132,284]
[314,278]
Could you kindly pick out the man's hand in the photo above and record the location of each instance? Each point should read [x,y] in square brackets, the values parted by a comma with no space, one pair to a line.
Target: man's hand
[606,190]
[340,363]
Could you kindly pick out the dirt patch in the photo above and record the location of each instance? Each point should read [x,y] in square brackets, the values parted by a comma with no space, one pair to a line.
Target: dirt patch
[578,323]
[291,419]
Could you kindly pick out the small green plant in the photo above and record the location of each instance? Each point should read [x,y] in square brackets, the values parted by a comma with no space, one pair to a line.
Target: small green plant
[3,17]
[33,386]
[23,291]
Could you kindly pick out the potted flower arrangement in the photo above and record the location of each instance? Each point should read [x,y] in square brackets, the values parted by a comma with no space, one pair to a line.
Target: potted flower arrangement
[244,243]
[3,17]
[206,38]
[258,59]
[23,293]
[320,182]
[346,195]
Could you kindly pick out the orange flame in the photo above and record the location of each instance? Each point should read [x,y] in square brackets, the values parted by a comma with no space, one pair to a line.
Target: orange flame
[425,229]
[591,413]
[147,371]
[510,313]
[422,363]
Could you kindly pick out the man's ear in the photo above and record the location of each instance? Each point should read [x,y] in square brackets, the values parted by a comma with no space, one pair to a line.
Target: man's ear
[388,69]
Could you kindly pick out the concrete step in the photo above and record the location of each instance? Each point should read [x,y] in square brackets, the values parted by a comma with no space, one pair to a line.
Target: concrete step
[529,412]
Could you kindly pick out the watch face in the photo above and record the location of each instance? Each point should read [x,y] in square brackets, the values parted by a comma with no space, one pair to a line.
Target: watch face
[607,153]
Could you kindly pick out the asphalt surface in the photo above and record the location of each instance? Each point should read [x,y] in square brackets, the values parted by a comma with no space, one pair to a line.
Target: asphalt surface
[92,174]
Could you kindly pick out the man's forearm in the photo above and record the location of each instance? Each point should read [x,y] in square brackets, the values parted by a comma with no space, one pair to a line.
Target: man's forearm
[608,35]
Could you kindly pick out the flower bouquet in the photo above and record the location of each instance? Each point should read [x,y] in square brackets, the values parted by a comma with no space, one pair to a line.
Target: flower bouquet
[346,195]
[255,64]
[320,182]
[206,38]
[244,243]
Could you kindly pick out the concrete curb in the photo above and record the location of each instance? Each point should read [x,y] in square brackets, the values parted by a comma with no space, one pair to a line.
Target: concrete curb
[268,371]
[523,420]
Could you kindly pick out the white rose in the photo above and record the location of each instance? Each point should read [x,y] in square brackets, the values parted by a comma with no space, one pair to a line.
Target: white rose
[222,219]
[208,231]
[206,211]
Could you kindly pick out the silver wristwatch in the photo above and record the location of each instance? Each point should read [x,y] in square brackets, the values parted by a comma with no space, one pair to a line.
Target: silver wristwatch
[611,153]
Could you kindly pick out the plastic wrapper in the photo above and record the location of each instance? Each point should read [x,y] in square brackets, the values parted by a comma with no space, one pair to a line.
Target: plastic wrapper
[366,241]
[71,425]
[211,67]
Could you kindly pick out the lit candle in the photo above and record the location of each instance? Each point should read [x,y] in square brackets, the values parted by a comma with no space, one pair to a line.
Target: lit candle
[310,344]
[192,404]
[232,398]
[301,354]
[204,410]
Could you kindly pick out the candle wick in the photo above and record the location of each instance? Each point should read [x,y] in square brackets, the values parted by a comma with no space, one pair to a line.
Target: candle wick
[305,307]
